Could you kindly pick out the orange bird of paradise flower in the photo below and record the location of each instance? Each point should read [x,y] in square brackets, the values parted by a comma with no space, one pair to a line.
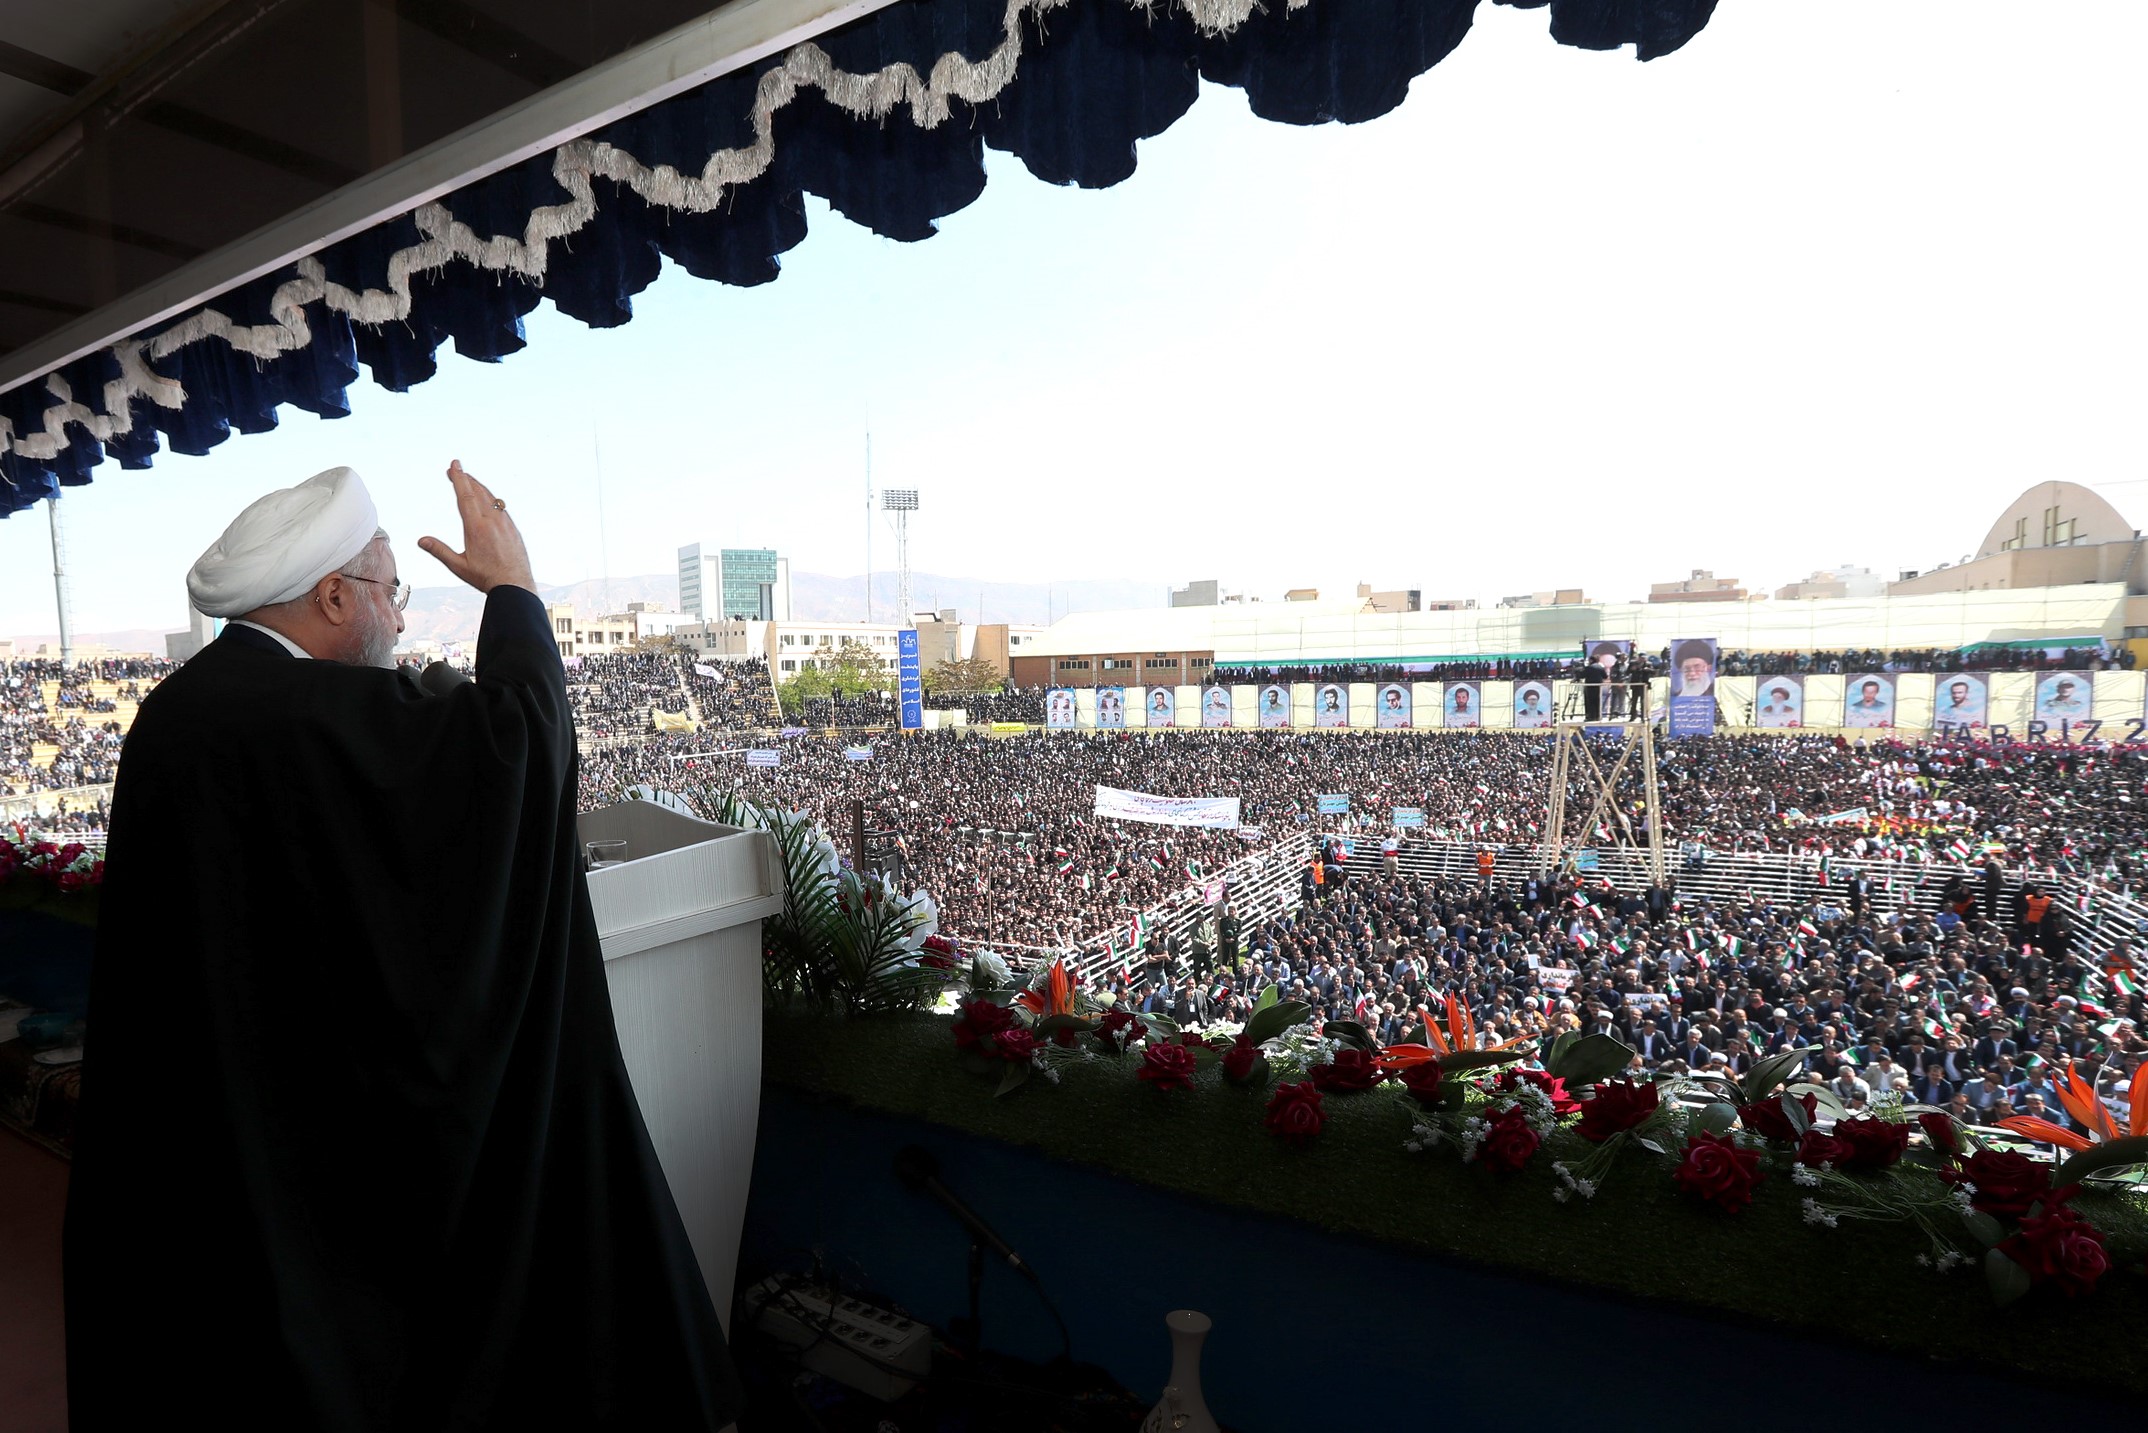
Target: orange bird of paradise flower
[1056,999]
[2078,1096]
[1460,1037]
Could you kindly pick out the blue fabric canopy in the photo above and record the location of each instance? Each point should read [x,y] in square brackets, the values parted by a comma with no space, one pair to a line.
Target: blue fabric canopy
[886,119]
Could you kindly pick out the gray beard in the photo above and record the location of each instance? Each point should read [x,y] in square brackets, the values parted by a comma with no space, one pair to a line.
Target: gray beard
[375,642]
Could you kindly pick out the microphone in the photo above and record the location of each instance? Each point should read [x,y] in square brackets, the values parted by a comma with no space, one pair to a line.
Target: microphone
[439,679]
[917,1168]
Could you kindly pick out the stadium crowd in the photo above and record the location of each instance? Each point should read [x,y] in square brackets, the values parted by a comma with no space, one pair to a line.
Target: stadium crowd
[83,751]
[1642,666]
[1925,987]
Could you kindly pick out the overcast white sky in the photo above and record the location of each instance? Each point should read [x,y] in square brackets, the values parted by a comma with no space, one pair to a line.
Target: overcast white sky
[1562,319]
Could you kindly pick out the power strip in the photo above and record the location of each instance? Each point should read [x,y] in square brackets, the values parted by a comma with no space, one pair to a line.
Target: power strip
[847,1339]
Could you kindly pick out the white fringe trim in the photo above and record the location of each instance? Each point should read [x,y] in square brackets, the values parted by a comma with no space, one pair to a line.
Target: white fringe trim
[869,97]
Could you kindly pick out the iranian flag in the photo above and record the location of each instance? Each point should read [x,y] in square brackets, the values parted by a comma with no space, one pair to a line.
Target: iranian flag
[1911,981]
[2124,983]
[1066,863]
[1692,940]
[1932,1028]
[1735,946]
[1578,899]
[1622,945]
[1806,927]
[1586,939]
[1960,848]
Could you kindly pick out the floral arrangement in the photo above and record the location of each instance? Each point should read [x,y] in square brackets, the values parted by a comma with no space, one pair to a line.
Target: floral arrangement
[35,873]
[845,939]
[1716,1139]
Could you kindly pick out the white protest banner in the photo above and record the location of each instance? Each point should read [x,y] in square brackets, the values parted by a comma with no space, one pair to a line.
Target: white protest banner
[1855,813]
[764,756]
[1220,812]
[1557,977]
[857,753]
[703,669]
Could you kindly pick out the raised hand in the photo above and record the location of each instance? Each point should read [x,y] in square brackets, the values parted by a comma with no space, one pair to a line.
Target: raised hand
[493,554]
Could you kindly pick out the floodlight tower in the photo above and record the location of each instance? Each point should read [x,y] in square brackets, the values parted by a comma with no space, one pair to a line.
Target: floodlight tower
[59,583]
[1575,759]
[902,502]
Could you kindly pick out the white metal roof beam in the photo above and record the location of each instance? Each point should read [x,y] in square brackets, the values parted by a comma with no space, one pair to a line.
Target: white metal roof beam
[726,39]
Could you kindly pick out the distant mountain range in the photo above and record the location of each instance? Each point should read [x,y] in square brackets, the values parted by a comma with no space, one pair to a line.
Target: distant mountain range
[447,614]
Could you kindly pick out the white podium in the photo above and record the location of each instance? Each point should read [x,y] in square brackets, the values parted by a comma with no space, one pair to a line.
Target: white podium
[681,929]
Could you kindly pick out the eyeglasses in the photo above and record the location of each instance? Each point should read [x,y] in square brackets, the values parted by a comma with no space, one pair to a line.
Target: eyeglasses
[398,590]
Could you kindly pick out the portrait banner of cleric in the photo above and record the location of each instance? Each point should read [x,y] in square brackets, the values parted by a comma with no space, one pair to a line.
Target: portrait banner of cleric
[357,1150]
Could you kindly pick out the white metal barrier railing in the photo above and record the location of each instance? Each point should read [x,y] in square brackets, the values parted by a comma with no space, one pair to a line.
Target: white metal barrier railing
[1257,886]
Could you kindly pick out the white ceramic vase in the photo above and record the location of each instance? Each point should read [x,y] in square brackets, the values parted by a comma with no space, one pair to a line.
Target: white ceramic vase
[1182,1409]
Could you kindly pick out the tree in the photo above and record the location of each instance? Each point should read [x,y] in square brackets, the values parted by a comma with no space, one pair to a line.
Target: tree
[973,674]
[854,667]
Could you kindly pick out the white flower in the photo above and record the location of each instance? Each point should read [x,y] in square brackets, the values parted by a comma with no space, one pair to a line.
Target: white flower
[1804,1178]
[1561,1195]
[1587,1188]
[1924,1261]
[989,972]
[1814,1214]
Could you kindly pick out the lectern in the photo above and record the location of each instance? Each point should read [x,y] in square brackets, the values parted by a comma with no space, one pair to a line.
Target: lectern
[681,926]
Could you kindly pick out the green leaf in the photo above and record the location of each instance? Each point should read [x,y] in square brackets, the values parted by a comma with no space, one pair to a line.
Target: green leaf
[1988,1231]
[1712,1119]
[1650,1145]
[1204,1055]
[1268,997]
[1771,1072]
[1558,1048]
[1159,1025]
[1350,1033]
[1017,1074]
[1051,1024]
[2008,1280]
[1795,1109]
[2111,1154]
[1588,1060]
[1823,1098]
[1275,1019]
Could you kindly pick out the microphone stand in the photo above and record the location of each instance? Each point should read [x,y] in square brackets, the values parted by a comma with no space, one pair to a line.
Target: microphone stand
[967,1334]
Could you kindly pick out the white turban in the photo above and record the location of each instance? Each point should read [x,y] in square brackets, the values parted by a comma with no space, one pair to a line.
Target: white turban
[283,544]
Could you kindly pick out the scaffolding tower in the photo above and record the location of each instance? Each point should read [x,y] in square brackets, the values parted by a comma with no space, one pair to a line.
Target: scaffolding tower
[1578,756]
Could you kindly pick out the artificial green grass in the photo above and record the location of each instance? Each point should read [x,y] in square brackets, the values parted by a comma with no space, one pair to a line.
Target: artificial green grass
[1639,1236]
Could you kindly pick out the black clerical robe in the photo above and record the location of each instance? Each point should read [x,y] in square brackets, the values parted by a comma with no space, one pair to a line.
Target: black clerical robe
[357,1150]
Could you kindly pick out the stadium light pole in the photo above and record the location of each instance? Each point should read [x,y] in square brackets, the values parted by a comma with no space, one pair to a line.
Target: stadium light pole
[59,583]
[901,502]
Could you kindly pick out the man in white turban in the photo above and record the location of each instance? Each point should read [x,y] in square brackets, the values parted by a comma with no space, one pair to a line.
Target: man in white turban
[308,566]
[356,1150]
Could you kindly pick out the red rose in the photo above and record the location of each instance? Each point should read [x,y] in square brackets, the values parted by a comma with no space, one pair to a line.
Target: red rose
[1118,1029]
[1874,1143]
[1562,1103]
[1768,1119]
[1718,1171]
[1423,1082]
[1617,1105]
[1353,1070]
[1239,1060]
[1167,1067]
[1939,1128]
[1511,1143]
[1015,1046]
[2059,1247]
[979,1021]
[2006,1183]
[1816,1149]
[1294,1113]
